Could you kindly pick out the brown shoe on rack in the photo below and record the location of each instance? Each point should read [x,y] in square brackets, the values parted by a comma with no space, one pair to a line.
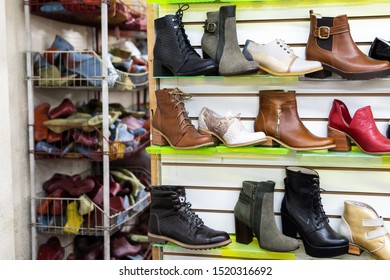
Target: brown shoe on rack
[331,43]
[171,124]
[278,118]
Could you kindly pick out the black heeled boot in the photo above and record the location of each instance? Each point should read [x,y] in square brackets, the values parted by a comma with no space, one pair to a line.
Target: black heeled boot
[303,213]
[172,219]
[173,53]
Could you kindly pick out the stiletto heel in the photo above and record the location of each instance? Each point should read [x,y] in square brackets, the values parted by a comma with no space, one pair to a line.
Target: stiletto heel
[343,144]
[158,139]
[244,233]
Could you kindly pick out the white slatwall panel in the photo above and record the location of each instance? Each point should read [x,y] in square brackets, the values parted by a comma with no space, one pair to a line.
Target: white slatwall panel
[213,181]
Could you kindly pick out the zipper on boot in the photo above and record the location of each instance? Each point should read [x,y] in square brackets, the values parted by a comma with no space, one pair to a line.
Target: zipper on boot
[278,113]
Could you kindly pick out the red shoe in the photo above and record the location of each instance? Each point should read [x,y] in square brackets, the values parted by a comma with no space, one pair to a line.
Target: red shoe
[361,129]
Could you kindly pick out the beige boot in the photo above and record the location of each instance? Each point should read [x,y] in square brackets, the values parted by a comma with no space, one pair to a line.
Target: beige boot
[365,231]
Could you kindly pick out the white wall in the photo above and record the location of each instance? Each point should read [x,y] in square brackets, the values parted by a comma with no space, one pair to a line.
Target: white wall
[14,203]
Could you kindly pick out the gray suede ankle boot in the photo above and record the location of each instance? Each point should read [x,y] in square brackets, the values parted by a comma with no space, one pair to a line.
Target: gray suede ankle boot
[254,214]
[220,43]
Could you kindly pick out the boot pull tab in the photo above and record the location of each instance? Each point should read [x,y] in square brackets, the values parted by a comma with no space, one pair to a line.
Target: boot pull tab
[311,12]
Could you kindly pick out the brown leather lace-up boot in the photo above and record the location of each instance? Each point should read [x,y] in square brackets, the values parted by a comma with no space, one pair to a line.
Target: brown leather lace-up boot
[171,124]
[278,118]
[330,42]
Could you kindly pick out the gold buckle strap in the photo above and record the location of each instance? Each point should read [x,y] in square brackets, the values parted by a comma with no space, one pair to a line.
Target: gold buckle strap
[324,32]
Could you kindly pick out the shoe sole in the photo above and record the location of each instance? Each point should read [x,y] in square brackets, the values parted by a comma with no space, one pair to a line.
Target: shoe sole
[352,140]
[302,148]
[312,250]
[207,144]
[290,73]
[357,76]
[160,239]
[205,131]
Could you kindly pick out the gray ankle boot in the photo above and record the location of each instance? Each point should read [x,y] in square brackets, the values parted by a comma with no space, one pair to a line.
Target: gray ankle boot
[254,213]
[220,43]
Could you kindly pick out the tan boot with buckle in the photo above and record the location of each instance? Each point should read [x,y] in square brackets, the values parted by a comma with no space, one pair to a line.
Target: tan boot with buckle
[365,230]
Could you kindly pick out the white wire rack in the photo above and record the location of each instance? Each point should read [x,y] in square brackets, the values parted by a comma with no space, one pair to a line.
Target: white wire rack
[81,216]
[80,69]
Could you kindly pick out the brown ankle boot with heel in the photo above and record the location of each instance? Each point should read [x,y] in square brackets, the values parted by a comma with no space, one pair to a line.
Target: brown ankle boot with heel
[330,42]
[278,118]
[171,124]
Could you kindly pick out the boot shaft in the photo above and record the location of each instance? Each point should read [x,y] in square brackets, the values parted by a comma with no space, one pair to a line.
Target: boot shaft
[277,107]
[166,200]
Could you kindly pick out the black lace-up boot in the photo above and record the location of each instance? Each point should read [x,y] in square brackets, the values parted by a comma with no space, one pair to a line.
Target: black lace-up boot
[303,213]
[172,219]
[173,53]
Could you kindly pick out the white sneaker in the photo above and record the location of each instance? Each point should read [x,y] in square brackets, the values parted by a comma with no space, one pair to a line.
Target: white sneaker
[228,129]
[277,58]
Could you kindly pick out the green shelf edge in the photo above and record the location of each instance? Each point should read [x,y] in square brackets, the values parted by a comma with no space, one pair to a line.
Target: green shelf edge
[354,153]
[237,250]
[168,150]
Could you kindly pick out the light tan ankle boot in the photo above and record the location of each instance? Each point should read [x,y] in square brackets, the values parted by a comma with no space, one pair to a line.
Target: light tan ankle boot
[171,124]
[365,230]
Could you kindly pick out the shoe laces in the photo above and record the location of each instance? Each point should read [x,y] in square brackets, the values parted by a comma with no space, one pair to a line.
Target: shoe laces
[318,208]
[282,44]
[179,97]
[186,214]
[184,43]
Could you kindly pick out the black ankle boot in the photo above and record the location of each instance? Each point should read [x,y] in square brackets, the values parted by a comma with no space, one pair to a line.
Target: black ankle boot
[171,219]
[302,213]
[173,53]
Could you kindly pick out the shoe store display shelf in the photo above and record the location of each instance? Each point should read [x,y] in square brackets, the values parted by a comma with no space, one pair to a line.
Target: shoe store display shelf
[83,213]
[354,158]
[85,142]
[250,251]
[88,13]
[250,151]
[80,70]
[83,216]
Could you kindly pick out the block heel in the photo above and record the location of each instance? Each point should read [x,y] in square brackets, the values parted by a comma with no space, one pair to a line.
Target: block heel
[354,250]
[158,139]
[343,144]
[288,227]
[244,234]
[159,69]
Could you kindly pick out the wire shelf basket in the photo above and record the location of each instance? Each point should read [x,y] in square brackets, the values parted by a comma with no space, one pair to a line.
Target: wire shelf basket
[88,12]
[80,69]
[82,215]
[84,142]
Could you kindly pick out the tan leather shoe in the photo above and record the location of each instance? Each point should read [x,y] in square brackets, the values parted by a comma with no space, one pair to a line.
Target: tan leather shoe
[364,228]
[171,124]
[278,118]
[330,42]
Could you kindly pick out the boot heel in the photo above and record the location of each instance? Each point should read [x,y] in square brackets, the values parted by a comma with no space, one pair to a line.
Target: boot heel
[343,144]
[354,250]
[160,70]
[244,233]
[288,226]
[269,143]
[158,139]
[322,74]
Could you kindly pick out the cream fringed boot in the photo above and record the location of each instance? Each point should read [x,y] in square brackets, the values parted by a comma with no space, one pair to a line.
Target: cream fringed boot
[365,230]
